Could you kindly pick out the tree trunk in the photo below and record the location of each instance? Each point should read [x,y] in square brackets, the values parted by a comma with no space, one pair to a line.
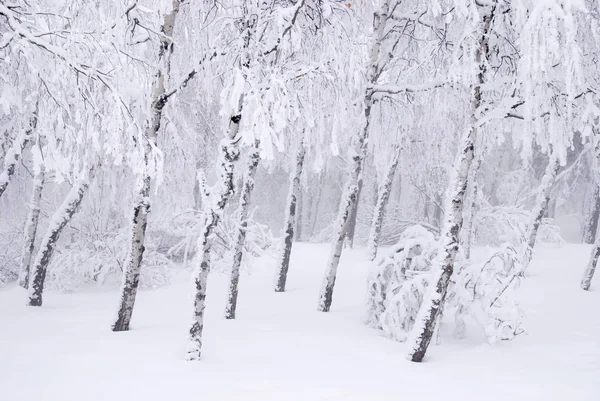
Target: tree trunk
[31,227]
[283,264]
[433,302]
[133,262]
[350,195]
[384,191]
[229,155]
[58,222]
[590,225]
[354,213]
[238,249]
[326,293]
[14,153]
[591,268]
[539,209]
[468,233]
[299,216]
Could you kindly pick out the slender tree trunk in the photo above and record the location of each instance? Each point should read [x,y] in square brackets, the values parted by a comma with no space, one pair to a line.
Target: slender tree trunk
[31,227]
[133,262]
[283,263]
[212,215]
[539,210]
[238,249]
[57,224]
[354,213]
[14,153]
[590,225]
[468,234]
[299,215]
[352,189]
[586,282]
[317,201]
[433,303]
[384,191]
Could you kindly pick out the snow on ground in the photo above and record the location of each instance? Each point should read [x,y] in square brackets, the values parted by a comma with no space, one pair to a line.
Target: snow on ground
[281,349]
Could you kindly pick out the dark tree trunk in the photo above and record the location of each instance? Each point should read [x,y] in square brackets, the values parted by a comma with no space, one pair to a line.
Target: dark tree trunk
[283,264]
[238,249]
[58,222]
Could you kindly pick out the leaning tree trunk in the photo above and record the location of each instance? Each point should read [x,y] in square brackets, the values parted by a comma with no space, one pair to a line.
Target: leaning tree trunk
[433,302]
[350,195]
[212,212]
[590,225]
[238,249]
[133,262]
[283,263]
[468,233]
[586,282]
[382,200]
[539,210]
[31,227]
[14,153]
[57,224]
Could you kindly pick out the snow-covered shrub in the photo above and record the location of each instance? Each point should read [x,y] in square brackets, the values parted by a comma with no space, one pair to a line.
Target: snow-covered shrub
[85,260]
[496,225]
[187,227]
[483,291]
[396,282]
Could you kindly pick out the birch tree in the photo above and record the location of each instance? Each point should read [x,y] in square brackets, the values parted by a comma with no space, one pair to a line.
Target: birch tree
[33,216]
[238,247]
[283,263]
[58,222]
[255,52]
[383,197]
[160,97]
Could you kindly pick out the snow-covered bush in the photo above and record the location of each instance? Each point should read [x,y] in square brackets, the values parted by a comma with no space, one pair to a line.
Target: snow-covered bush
[496,225]
[186,229]
[483,291]
[99,261]
[396,283]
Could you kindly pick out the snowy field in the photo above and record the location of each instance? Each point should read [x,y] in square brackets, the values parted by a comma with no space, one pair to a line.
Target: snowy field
[280,348]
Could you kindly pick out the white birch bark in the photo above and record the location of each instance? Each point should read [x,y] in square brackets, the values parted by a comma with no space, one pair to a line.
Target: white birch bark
[238,249]
[350,194]
[133,262]
[470,218]
[31,226]
[283,264]
[539,210]
[432,306]
[58,222]
[228,156]
[383,197]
